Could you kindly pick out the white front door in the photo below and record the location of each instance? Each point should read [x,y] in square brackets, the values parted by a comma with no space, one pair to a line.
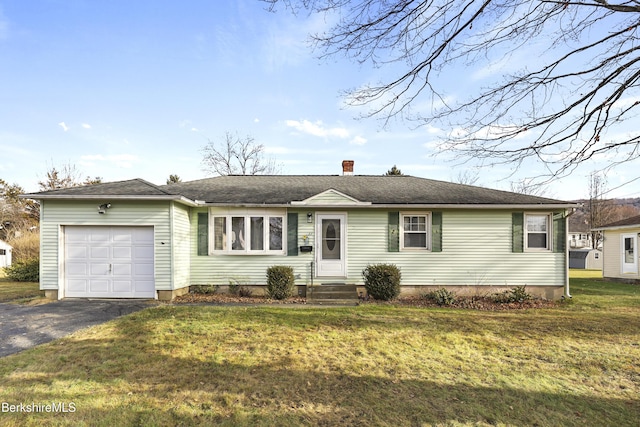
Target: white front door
[629,248]
[109,262]
[331,245]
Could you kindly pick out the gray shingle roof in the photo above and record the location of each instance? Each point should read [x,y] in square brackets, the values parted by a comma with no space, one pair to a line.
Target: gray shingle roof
[284,189]
[132,187]
[634,220]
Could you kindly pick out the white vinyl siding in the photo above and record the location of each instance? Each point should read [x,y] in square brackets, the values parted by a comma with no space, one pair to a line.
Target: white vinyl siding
[476,250]
[56,214]
[181,245]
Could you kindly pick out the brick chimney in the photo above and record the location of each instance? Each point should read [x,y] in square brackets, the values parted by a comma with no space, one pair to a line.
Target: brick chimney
[347,167]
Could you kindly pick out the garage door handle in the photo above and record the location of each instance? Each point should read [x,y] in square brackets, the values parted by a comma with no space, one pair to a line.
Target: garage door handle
[110,268]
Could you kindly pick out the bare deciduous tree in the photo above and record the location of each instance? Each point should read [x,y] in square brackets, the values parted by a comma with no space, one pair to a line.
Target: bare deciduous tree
[467,177]
[599,207]
[236,156]
[569,72]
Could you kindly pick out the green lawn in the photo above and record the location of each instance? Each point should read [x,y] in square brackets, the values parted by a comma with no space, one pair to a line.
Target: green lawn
[573,365]
[18,291]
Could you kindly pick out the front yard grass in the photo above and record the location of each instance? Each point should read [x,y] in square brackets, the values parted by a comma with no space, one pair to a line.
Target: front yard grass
[374,365]
[18,291]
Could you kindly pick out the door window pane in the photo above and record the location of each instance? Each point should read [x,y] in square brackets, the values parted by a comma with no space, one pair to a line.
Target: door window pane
[330,239]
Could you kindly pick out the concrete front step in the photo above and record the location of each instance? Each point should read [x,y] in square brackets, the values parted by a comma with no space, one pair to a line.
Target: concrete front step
[332,294]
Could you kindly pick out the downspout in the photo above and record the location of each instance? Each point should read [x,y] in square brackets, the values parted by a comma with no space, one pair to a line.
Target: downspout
[567,294]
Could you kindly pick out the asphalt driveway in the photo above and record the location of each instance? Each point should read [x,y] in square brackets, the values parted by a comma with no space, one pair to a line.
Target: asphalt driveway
[23,327]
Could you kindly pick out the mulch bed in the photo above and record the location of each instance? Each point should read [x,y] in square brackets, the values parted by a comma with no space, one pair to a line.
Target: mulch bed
[470,303]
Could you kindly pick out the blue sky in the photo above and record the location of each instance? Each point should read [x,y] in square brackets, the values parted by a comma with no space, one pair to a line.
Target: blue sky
[126,89]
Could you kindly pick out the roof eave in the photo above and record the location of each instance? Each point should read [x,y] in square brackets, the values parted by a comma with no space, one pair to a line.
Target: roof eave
[393,206]
[176,198]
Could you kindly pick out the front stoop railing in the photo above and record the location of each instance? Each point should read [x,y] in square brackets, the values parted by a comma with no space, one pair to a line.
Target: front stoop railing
[332,294]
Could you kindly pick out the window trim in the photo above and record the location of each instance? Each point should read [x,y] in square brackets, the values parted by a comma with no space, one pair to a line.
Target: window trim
[247,215]
[401,231]
[549,232]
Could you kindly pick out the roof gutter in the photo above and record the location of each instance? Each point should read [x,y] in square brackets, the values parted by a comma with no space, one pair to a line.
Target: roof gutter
[390,206]
[176,198]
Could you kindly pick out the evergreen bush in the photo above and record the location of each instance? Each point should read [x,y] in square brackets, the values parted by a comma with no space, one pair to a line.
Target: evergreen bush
[382,281]
[280,282]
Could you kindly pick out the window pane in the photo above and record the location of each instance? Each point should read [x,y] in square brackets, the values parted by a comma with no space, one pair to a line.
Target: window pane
[237,233]
[275,233]
[415,240]
[415,223]
[537,223]
[537,240]
[257,233]
[628,250]
[220,233]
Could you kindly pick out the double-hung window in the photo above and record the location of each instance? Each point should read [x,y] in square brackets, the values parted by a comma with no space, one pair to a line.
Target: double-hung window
[248,234]
[415,231]
[537,232]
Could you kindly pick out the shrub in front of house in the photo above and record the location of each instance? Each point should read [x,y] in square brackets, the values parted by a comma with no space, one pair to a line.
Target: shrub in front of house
[280,282]
[441,296]
[382,281]
[204,289]
[517,294]
[24,271]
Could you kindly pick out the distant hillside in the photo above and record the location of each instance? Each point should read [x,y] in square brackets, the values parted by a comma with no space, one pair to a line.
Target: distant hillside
[620,209]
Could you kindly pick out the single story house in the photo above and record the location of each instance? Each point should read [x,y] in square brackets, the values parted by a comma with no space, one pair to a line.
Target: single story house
[585,258]
[134,239]
[620,249]
[5,254]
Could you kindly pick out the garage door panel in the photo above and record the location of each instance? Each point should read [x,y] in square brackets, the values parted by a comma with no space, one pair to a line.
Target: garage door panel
[99,252]
[77,285]
[143,269]
[122,286]
[99,285]
[109,262]
[122,252]
[76,269]
[122,270]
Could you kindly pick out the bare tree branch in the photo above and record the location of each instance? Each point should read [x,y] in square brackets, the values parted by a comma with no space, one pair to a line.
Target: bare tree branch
[562,104]
[236,156]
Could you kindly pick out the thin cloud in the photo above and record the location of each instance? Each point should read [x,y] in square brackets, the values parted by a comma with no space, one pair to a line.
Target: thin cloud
[358,140]
[63,126]
[86,126]
[317,129]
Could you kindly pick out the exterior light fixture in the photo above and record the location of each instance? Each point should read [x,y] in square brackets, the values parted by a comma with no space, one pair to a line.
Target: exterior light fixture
[102,209]
[309,217]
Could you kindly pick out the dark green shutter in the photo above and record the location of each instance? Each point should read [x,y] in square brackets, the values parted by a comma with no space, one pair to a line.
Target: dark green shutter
[436,232]
[203,234]
[517,243]
[393,234]
[559,232]
[292,234]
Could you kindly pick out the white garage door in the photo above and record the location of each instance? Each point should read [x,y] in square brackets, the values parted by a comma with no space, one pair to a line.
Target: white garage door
[109,262]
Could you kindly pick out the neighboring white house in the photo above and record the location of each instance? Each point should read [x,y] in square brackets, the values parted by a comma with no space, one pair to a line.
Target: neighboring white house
[5,254]
[133,239]
[579,240]
[620,249]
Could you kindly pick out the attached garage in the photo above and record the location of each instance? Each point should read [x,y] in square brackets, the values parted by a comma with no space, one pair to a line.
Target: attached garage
[108,262]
